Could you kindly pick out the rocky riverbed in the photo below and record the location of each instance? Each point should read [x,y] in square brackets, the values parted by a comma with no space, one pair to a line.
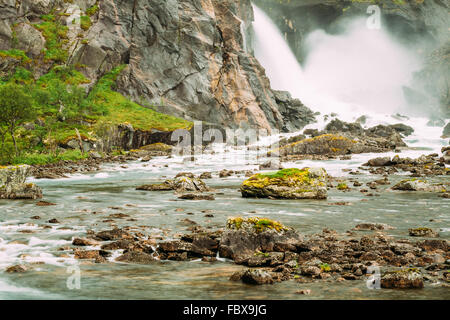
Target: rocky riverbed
[148,243]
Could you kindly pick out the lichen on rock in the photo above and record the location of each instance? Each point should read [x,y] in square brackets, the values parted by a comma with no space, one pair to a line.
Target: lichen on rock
[306,183]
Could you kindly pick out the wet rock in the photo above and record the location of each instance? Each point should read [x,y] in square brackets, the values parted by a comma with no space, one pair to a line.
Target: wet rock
[16,269]
[305,292]
[418,185]
[198,246]
[423,232]
[311,271]
[88,254]
[136,257]
[194,196]
[226,173]
[270,165]
[307,183]
[432,245]
[13,186]
[256,277]
[244,237]
[206,175]
[379,162]
[402,279]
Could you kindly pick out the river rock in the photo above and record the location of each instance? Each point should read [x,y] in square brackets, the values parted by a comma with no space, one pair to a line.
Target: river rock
[179,184]
[307,183]
[13,186]
[418,185]
[136,257]
[244,237]
[403,279]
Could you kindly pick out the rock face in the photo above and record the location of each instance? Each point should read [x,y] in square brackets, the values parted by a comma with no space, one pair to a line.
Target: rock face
[246,236]
[307,183]
[13,186]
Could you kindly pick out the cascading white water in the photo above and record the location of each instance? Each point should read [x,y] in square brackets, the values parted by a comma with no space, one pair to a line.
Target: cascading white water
[359,72]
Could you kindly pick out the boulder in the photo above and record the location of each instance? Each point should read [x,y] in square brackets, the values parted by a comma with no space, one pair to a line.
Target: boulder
[244,237]
[418,185]
[423,232]
[13,186]
[325,144]
[402,279]
[179,184]
[256,277]
[136,257]
[306,183]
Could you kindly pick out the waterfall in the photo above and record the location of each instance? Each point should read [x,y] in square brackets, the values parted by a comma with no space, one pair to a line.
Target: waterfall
[359,72]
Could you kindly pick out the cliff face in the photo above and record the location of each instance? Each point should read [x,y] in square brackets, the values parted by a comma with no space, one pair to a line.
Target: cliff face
[188,58]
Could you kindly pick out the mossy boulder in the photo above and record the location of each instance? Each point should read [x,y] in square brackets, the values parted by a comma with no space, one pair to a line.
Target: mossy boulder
[306,183]
[13,186]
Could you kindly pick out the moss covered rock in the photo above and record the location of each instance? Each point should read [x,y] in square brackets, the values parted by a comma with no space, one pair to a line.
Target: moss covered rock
[326,144]
[245,238]
[306,183]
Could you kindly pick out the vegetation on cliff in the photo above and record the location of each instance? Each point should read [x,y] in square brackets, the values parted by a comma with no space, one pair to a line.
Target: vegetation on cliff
[62,104]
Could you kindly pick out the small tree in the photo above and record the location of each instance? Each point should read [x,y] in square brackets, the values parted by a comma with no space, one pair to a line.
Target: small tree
[15,108]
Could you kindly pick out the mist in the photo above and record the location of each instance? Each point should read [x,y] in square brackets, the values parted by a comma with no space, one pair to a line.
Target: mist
[357,71]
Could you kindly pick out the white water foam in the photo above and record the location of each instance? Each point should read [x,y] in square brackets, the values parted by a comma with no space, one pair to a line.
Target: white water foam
[360,72]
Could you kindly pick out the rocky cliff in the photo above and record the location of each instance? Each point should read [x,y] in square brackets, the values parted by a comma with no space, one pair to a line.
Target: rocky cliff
[188,58]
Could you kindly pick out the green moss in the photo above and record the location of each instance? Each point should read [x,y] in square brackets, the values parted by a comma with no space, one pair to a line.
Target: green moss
[85,22]
[325,267]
